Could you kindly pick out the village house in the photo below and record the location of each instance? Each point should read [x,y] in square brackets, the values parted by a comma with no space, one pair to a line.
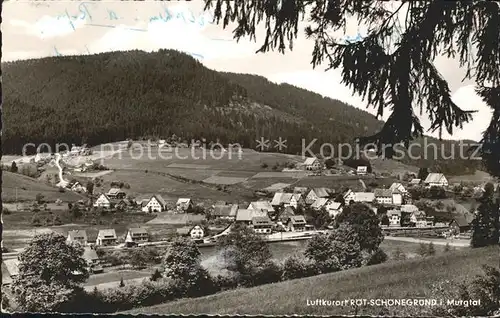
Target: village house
[262,225]
[155,204]
[317,193]
[418,219]
[245,216]
[102,201]
[76,186]
[296,223]
[261,206]
[383,196]
[312,164]
[361,170]
[334,208]
[397,197]
[93,262]
[184,204]
[319,203]
[196,232]
[394,217]
[10,270]
[436,180]
[121,204]
[285,215]
[297,200]
[361,197]
[137,235]
[226,211]
[106,237]
[396,186]
[116,193]
[281,199]
[460,224]
[77,236]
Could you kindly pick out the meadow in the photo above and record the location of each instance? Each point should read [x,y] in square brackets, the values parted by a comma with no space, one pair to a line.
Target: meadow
[392,280]
[18,188]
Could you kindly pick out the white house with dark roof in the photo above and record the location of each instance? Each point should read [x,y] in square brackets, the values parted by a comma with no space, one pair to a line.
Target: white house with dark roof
[77,236]
[383,196]
[195,232]
[436,180]
[155,204]
[102,201]
[106,237]
[394,217]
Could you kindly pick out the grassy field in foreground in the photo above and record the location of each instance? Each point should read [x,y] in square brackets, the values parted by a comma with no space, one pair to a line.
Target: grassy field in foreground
[406,279]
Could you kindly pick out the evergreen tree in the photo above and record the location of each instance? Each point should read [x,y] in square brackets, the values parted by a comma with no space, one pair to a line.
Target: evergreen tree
[121,284]
[13,167]
[485,226]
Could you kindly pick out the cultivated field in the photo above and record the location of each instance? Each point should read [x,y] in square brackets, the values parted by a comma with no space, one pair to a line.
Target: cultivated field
[387,281]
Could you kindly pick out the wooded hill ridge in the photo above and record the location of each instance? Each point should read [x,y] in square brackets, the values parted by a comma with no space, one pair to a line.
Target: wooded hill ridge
[106,97]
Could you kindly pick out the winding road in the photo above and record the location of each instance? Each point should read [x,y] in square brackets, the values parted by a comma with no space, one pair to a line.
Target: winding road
[62,183]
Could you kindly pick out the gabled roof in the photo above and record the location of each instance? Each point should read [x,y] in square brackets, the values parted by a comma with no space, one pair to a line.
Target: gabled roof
[281,198]
[105,196]
[137,230]
[261,205]
[364,196]
[106,232]
[396,186]
[322,192]
[287,212]
[114,191]
[77,233]
[185,230]
[394,212]
[434,177]
[247,215]
[225,210]
[382,193]
[462,220]
[419,214]
[334,205]
[310,161]
[90,254]
[261,220]
[158,198]
[298,219]
[319,203]
[183,201]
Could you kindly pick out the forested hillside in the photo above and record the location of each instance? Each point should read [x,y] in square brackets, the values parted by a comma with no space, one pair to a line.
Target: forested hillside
[113,96]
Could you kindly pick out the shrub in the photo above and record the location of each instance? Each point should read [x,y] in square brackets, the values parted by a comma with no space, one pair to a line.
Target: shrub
[6,211]
[398,255]
[298,267]
[377,257]
[264,165]
[268,273]
[61,189]
[225,282]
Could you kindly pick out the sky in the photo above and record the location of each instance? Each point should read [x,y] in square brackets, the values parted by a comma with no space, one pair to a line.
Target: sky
[39,29]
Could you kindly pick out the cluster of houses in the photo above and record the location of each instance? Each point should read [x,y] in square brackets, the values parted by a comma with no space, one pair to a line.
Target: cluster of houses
[116,198]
